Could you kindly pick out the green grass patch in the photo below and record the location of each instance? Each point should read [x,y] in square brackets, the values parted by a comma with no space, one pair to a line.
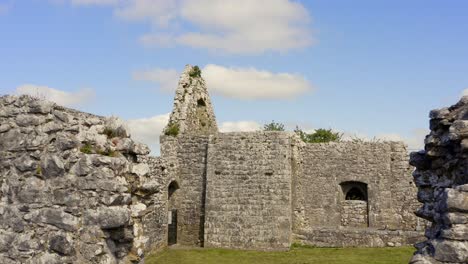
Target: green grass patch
[297,255]
[87,148]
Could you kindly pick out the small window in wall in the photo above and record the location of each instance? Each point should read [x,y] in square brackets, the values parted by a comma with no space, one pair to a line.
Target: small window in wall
[354,190]
[173,187]
[355,194]
[201,102]
[354,207]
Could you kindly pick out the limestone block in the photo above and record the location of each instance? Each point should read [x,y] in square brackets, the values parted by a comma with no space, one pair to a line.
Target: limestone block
[83,167]
[456,232]
[450,251]
[439,113]
[62,244]
[25,163]
[56,217]
[456,200]
[108,217]
[52,166]
[40,107]
[29,120]
[141,169]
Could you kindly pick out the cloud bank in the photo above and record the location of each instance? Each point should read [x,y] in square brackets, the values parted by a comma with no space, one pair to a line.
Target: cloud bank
[229,26]
[240,83]
[58,96]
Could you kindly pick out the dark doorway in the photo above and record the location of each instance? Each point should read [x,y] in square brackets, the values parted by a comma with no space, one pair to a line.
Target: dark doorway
[172,191]
[172,228]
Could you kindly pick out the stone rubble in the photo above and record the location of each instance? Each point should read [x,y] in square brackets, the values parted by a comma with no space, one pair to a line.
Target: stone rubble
[442,179]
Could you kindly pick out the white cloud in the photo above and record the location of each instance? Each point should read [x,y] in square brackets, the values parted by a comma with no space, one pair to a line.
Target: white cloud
[166,78]
[159,12]
[148,130]
[240,126]
[245,26]
[232,26]
[242,83]
[60,97]
[250,83]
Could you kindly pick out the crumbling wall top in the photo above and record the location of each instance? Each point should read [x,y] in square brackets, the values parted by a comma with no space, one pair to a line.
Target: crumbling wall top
[192,112]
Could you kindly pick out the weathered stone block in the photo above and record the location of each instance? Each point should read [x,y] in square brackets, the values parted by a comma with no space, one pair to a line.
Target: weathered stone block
[62,244]
[450,251]
[108,217]
[52,166]
[56,217]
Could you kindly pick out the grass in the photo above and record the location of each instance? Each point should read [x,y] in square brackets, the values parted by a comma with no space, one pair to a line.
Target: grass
[297,255]
[87,148]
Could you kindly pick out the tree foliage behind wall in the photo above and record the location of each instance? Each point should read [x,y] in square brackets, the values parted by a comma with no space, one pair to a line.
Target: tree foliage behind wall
[273,126]
[319,135]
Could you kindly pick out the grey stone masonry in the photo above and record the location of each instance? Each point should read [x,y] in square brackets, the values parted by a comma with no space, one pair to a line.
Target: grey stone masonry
[74,188]
[248,199]
[442,179]
[354,213]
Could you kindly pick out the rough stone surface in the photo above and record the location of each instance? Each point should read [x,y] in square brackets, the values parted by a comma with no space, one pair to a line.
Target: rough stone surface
[68,184]
[442,176]
[192,112]
[248,202]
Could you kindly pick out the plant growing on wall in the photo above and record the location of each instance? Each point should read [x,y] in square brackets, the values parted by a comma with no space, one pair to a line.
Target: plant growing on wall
[195,72]
[319,135]
[273,126]
[172,130]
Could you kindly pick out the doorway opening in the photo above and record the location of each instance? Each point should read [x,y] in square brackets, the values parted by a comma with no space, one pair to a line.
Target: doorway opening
[172,213]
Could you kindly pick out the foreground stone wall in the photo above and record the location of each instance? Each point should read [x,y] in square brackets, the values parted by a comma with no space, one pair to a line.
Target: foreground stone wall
[248,199]
[74,188]
[442,180]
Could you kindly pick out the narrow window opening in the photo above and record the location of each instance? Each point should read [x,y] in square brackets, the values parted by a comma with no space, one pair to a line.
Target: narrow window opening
[201,102]
[172,213]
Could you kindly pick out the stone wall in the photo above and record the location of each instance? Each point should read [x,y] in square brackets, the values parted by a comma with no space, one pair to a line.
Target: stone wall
[442,179]
[248,200]
[354,213]
[381,166]
[74,188]
[186,156]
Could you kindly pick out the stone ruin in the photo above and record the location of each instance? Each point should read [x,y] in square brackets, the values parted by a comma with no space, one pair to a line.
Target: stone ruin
[75,188]
[442,179]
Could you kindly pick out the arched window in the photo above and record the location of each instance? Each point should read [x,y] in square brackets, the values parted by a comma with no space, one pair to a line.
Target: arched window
[354,190]
[173,187]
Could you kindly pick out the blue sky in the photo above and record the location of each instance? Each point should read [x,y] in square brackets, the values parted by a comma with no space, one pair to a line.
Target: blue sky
[370,68]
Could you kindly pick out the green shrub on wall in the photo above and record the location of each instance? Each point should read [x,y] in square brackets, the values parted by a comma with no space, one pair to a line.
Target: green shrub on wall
[195,72]
[273,126]
[172,130]
[319,135]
